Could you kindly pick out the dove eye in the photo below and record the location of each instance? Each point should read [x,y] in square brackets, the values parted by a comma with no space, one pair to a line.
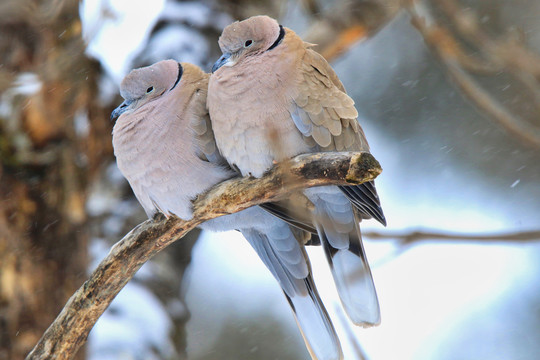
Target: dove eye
[150,89]
[248,43]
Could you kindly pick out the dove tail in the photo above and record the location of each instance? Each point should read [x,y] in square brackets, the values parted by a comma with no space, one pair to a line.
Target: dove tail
[314,323]
[311,316]
[351,272]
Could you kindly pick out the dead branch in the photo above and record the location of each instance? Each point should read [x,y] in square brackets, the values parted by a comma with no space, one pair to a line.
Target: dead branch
[512,123]
[499,55]
[336,30]
[407,238]
[71,328]
[508,51]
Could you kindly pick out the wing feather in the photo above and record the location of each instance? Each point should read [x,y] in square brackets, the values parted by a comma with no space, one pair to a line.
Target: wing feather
[322,110]
[326,115]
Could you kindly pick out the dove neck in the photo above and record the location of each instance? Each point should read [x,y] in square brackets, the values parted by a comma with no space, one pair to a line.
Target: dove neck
[279,38]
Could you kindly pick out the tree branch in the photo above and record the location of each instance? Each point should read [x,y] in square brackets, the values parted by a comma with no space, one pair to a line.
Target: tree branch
[502,55]
[345,24]
[407,238]
[72,326]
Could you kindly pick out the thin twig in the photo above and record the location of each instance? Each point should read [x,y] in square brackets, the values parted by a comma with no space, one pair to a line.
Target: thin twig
[349,22]
[71,328]
[507,52]
[406,238]
[504,51]
[510,122]
[530,83]
[447,49]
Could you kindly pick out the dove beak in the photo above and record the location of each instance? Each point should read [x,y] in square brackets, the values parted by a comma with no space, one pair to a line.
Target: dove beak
[120,110]
[223,60]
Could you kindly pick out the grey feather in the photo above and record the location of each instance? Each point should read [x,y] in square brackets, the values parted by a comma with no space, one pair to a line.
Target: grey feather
[165,147]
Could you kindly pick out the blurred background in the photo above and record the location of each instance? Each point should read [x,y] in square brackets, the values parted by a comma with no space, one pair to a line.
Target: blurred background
[448,93]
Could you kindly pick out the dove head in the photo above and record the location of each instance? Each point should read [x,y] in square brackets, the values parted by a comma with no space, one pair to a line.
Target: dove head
[143,85]
[246,38]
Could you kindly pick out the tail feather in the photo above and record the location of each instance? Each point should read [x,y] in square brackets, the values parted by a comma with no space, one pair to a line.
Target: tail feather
[351,272]
[365,199]
[314,323]
[294,277]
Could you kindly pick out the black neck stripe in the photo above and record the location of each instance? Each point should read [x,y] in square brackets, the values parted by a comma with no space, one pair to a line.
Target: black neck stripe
[279,38]
[180,72]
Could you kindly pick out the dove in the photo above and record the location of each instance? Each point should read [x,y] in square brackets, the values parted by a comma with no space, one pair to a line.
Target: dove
[164,146]
[272,97]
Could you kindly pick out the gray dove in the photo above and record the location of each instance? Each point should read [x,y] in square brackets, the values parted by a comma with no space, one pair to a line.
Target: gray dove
[164,146]
[270,98]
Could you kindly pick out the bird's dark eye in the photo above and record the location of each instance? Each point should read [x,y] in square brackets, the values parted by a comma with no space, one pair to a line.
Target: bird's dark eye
[248,43]
[150,89]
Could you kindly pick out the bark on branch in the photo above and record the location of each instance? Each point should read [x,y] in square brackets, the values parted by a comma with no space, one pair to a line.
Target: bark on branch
[408,238]
[71,328]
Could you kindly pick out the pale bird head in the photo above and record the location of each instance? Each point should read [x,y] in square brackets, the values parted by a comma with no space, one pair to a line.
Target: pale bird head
[247,38]
[143,85]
